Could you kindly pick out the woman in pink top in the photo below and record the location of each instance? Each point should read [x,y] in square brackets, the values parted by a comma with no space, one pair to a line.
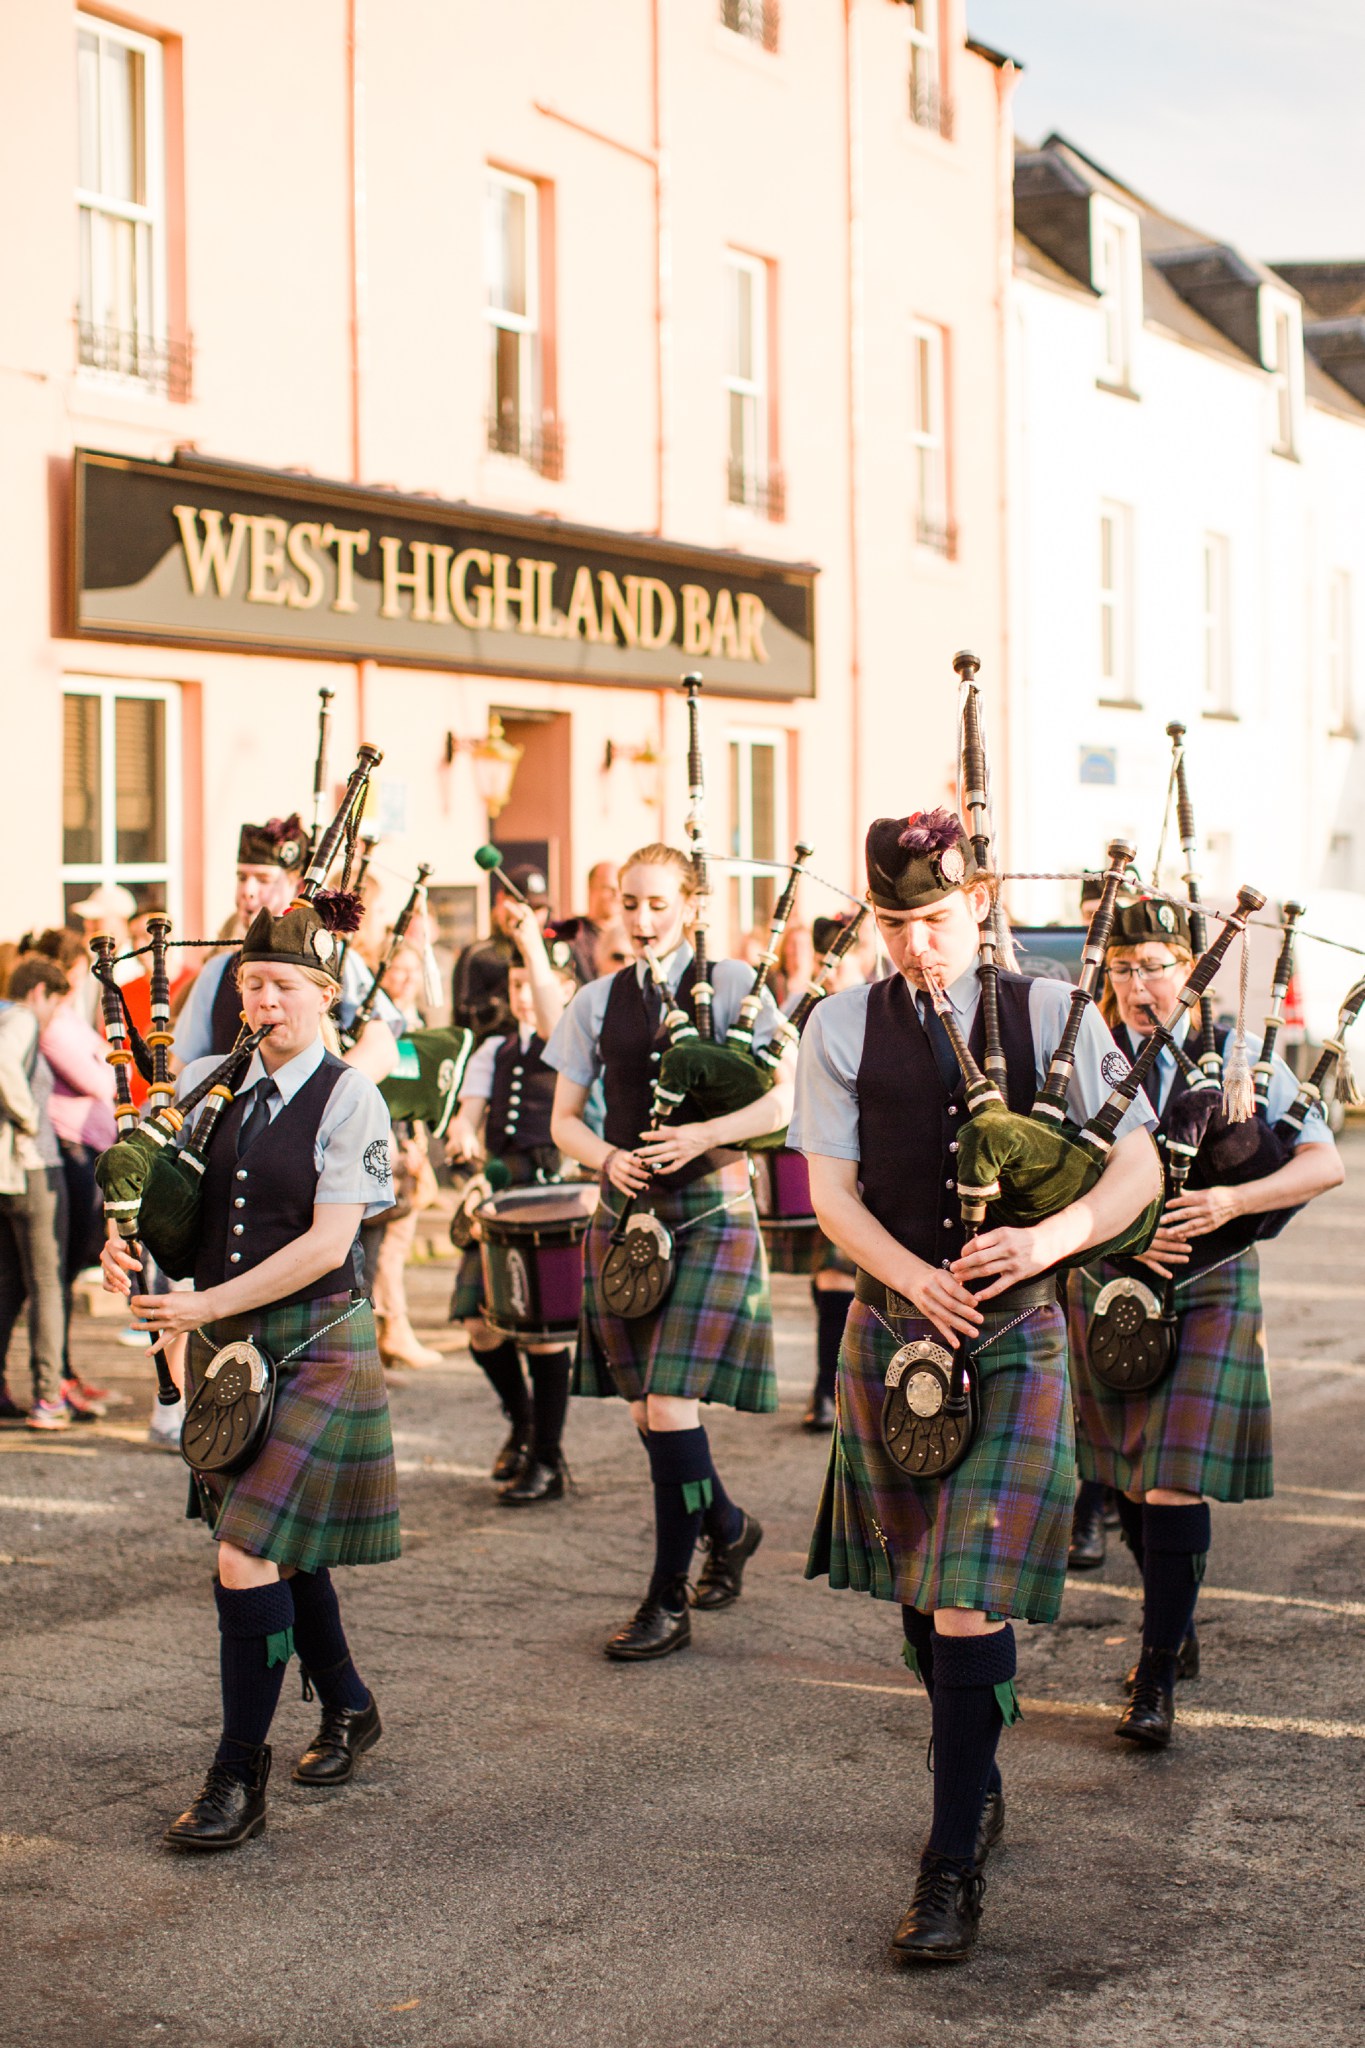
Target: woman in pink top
[82,1099]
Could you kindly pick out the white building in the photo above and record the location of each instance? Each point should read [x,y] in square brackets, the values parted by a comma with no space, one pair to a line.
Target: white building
[1187,542]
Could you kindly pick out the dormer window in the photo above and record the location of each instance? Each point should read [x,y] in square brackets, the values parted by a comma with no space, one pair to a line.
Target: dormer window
[1116,273]
[1282,355]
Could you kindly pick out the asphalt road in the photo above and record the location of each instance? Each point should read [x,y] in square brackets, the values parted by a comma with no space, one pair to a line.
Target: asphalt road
[550,1851]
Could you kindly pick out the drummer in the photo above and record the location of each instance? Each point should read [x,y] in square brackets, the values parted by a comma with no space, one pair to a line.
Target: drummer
[504,1115]
[711,1337]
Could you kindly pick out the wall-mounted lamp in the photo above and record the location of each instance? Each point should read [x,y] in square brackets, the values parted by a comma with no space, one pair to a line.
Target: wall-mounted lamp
[494,759]
[647,762]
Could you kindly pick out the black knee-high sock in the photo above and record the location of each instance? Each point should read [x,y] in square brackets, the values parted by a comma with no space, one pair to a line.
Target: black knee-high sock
[1176,1542]
[321,1642]
[722,1520]
[972,1699]
[832,1305]
[1130,1522]
[1089,1498]
[919,1657]
[256,1627]
[680,1465]
[550,1371]
[503,1367]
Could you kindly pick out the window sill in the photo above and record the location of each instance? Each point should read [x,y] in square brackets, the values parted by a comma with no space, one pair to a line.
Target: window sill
[749,49]
[1285,454]
[1118,390]
[1223,717]
[1119,704]
[1343,732]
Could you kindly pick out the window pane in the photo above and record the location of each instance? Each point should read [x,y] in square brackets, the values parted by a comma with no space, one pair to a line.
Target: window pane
[742,323]
[87,275]
[507,394]
[87,112]
[507,249]
[1106,554]
[139,779]
[741,442]
[764,782]
[736,819]
[121,123]
[1107,664]
[81,823]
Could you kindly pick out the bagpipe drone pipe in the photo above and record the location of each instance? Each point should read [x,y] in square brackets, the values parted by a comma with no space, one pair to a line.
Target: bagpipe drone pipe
[151,1183]
[1024,1168]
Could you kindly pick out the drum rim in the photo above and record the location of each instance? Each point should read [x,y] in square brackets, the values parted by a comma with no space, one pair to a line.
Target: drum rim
[529,1226]
[544,1333]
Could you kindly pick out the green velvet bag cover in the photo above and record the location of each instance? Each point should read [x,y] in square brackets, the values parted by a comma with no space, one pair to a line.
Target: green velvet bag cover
[425,1084]
[1041,1168]
[716,1079]
[169,1222]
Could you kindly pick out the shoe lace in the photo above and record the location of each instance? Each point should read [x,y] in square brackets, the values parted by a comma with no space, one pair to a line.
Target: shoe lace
[219,1785]
[939,1880]
[1148,1695]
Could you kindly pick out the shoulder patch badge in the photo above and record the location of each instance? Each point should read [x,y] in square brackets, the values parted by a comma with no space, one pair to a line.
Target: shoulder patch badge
[1113,1066]
[377,1160]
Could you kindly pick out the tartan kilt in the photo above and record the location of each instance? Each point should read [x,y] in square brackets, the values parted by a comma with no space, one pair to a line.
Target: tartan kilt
[323,1490]
[712,1340]
[993,1535]
[1206,1428]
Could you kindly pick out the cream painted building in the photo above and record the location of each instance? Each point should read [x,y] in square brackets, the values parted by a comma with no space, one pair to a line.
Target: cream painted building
[1188,542]
[632,336]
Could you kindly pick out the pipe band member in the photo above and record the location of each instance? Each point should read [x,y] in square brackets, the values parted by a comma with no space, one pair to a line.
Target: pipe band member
[271,859]
[879,1107]
[1203,1432]
[832,1271]
[298,1162]
[711,1339]
[506,1103]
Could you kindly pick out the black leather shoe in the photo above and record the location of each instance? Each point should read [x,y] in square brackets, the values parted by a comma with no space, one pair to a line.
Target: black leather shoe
[819,1416]
[344,1733]
[661,1624]
[722,1576]
[514,1456]
[1149,1715]
[1186,1662]
[228,1811]
[939,1925]
[1088,1541]
[1110,1510]
[990,1829]
[538,1481]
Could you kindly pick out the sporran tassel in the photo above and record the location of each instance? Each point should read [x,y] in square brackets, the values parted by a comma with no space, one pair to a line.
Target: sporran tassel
[1239,1083]
[433,993]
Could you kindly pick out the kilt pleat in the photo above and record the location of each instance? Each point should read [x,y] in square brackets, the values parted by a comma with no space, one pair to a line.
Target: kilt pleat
[323,1490]
[1207,1428]
[993,1535]
[712,1340]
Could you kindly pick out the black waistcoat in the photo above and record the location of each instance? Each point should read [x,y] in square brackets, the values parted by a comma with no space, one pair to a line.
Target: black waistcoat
[257,1204]
[908,1124]
[522,1098]
[225,1017]
[631,1052]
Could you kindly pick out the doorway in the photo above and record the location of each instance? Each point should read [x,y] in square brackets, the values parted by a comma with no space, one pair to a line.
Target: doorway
[537,823]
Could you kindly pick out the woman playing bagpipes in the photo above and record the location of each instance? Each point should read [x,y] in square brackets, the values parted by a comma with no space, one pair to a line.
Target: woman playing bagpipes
[709,1338]
[298,1161]
[1202,1431]
[880,1110]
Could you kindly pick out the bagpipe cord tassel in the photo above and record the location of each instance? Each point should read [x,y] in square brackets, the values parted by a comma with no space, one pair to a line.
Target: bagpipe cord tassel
[1239,1085]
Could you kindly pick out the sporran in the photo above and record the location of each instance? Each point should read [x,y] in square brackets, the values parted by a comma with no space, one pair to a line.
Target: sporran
[1131,1341]
[640,1266]
[931,1410]
[228,1419]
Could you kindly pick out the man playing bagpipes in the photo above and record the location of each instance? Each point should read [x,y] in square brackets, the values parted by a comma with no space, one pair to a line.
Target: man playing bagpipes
[1200,1430]
[880,1112]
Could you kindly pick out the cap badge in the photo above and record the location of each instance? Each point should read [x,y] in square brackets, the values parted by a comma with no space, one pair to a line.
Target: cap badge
[951,867]
[289,853]
[324,945]
[1165,917]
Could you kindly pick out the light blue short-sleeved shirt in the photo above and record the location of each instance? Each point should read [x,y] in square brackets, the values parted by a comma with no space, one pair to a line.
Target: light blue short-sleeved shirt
[825,1119]
[575,1047]
[351,1151]
[194,1029]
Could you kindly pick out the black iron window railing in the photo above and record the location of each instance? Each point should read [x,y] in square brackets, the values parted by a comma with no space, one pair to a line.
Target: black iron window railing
[931,107]
[160,366]
[762,490]
[539,444]
[938,535]
[756,19]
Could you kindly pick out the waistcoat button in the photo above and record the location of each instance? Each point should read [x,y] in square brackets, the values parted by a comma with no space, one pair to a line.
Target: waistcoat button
[948,1183]
[240,1173]
[234,1258]
[239,1201]
[237,1229]
[953,1145]
[948,1221]
[952,1109]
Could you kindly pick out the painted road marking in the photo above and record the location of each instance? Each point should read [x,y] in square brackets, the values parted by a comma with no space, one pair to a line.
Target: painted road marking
[1352,1607]
[1194,1717]
[1319,1493]
[1309,1290]
[1346,1365]
[1324,1521]
[22,1503]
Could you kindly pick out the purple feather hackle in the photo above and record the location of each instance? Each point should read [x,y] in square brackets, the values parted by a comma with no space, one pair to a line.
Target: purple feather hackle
[280,829]
[341,910]
[930,832]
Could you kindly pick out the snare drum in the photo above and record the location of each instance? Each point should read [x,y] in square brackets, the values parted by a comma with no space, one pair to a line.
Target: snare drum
[531,1246]
[785,1215]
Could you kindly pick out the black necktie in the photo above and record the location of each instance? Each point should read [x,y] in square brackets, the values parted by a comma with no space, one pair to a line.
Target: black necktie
[945,1059]
[257,1117]
[654,1006]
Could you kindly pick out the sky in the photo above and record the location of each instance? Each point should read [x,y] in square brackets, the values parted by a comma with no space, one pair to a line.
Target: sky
[1242,117]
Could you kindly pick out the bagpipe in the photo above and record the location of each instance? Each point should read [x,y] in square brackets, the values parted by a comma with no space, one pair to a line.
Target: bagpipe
[151,1180]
